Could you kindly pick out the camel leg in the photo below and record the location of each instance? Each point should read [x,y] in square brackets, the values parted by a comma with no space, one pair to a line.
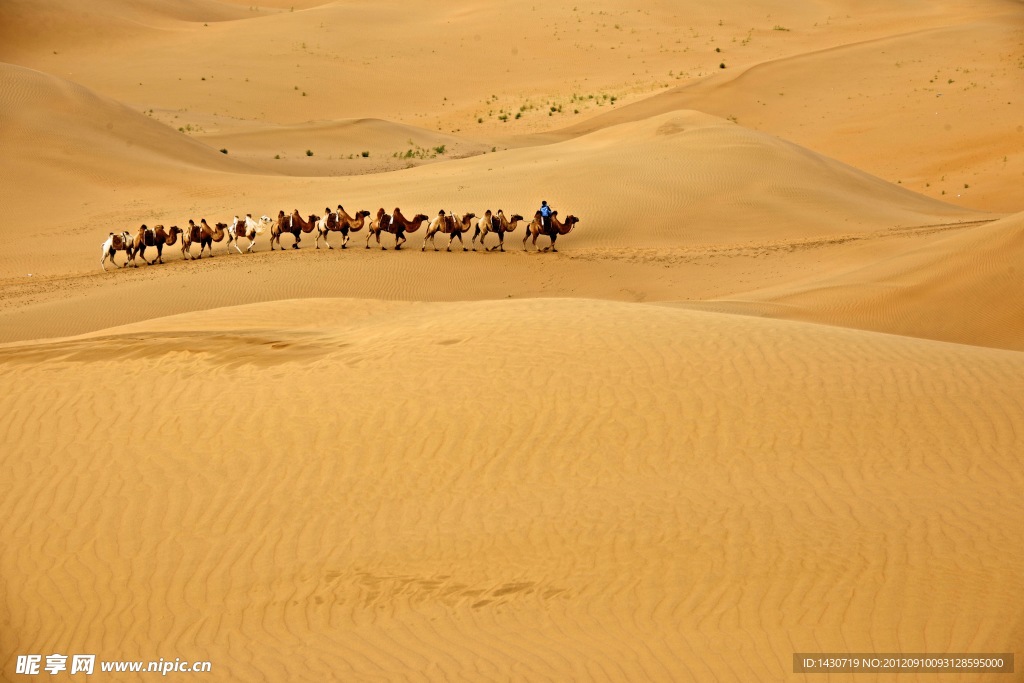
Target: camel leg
[369,234]
[398,245]
[235,243]
[344,240]
[501,241]
[475,235]
[252,243]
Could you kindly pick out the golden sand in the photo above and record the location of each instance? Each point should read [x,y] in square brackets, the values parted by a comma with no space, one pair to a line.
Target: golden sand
[767,397]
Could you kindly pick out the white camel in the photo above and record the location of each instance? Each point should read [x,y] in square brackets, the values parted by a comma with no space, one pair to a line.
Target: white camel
[247,228]
[116,242]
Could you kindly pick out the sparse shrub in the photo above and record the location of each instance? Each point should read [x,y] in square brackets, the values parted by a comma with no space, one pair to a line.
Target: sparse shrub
[277,156]
[722,65]
[439,149]
[364,154]
[309,152]
[223,150]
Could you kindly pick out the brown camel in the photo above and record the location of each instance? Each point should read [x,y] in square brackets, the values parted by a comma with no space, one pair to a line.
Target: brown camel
[406,225]
[341,222]
[382,223]
[203,234]
[497,224]
[536,228]
[114,243]
[396,224]
[449,225]
[158,237]
[293,224]
[144,237]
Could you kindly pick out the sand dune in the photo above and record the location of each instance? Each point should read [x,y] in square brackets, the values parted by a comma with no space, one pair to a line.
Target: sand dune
[368,490]
[963,118]
[57,26]
[340,146]
[724,423]
[700,186]
[58,130]
[964,288]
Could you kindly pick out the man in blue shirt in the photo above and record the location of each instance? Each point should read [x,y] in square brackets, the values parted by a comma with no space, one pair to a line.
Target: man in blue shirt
[545,216]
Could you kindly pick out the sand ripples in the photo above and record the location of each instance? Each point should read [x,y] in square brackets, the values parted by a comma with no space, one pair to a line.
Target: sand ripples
[540,489]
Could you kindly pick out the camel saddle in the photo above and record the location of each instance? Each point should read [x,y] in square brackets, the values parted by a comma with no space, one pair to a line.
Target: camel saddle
[495,224]
[197,233]
[385,222]
[149,239]
[117,242]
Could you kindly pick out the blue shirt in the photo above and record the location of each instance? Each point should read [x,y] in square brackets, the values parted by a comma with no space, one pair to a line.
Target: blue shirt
[545,211]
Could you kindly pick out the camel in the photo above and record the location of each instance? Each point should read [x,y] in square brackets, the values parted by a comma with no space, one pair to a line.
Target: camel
[247,228]
[339,222]
[396,224]
[158,237]
[203,234]
[144,237]
[114,243]
[293,224]
[403,225]
[382,223]
[536,228]
[449,225]
[497,224]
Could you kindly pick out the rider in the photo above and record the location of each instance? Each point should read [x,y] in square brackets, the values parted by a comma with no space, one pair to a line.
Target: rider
[545,216]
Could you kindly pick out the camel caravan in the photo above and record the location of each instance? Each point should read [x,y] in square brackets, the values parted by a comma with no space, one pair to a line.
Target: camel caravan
[545,223]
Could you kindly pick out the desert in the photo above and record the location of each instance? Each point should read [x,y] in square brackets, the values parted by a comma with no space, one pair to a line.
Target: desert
[763,394]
